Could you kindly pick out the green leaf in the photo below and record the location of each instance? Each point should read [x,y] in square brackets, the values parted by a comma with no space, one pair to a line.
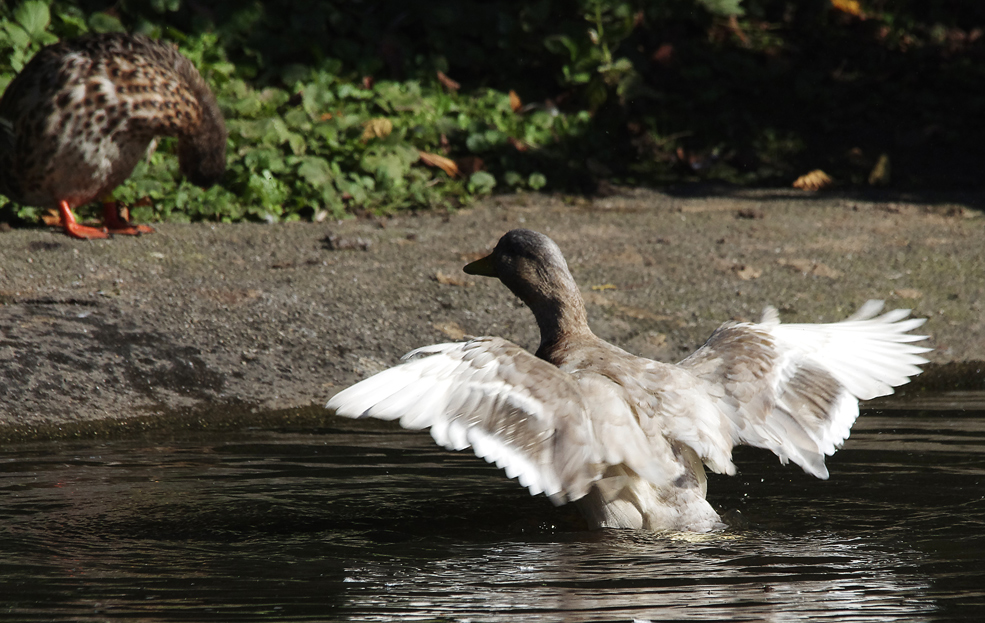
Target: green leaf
[724,8]
[481,183]
[165,6]
[34,17]
[395,97]
[597,93]
[294,73]
[72,25]
[104,22]
[19,38]
[269,192]
[495,137]
[316,171]
[559,44]
[477,143]
[264,158]
[537,181]
[512,178]
[274,98]
[316,98]
[407,154]
[298,119]
[390,171]
[351,91]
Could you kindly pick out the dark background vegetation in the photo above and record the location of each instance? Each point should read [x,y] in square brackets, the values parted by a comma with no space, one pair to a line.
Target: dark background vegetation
[330,103]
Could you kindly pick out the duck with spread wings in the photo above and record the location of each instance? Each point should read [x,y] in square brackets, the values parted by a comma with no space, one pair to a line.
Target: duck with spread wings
[625,437]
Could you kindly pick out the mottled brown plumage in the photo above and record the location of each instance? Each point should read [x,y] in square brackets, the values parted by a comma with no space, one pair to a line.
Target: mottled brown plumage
[78,118]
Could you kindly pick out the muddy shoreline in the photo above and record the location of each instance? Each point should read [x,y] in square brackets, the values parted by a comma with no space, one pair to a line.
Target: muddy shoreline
[199,320]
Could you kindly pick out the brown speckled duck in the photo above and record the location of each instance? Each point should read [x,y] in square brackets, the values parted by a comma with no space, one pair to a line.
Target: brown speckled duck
[79,117]
[624,437]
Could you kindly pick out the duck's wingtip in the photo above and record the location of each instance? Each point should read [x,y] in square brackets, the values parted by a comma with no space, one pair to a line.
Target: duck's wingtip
[770,316]
[868,310]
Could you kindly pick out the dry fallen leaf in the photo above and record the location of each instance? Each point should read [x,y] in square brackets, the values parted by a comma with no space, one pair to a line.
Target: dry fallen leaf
[447,82]
[881,173]
[851,7]
[518,144]
[745,272]
[515,102]
[452,280]
[451,329]
[663,54]
[908,293]
[378,127]
[445,164]
[51,217]
[733,24]
[813,181]
[823,270]
[802,265]
[742,271]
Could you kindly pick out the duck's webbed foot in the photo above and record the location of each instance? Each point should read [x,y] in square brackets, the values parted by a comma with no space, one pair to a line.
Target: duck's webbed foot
[72,227]
[119,225]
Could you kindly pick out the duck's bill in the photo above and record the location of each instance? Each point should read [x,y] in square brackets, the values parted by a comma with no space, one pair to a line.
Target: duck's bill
[484,266]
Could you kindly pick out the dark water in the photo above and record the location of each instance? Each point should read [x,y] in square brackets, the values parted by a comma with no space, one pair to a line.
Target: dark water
[366,523]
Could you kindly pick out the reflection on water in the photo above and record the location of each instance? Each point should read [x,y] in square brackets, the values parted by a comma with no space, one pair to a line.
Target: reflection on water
[634,576]
[368,523]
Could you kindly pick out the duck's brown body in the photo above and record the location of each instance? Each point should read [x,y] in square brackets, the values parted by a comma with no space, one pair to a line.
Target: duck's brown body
[78,118]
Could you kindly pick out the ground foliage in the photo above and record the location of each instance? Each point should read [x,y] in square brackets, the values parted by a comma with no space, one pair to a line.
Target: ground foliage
[337,107]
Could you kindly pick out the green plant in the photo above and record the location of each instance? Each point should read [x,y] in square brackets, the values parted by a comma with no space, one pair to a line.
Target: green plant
[23,32]
[331,105]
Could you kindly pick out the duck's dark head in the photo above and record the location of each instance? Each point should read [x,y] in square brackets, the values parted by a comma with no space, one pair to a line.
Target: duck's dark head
[201,159]
[202,146]
[531,265]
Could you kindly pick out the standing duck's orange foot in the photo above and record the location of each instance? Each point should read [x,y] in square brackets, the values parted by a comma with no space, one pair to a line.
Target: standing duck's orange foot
[85,233]
[129,230]
[72,227]
[117,224]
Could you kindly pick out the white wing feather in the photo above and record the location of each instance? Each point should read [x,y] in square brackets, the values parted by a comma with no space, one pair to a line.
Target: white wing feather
[514,410]
[794,388]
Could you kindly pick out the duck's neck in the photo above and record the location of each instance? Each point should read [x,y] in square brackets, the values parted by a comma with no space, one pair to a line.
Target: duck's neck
[202,148]
[562,320]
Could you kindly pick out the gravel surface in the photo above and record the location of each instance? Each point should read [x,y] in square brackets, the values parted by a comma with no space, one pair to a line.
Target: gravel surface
[202,321]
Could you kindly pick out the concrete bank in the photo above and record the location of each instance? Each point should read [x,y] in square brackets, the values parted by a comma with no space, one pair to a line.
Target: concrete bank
[217,319]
